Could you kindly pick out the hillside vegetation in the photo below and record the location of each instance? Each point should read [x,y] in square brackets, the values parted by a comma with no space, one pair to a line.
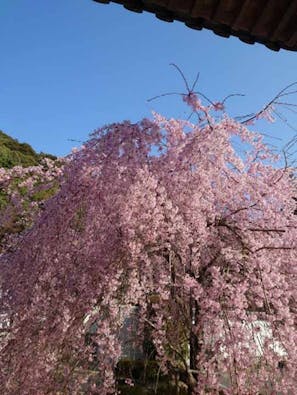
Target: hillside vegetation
[27,181]
[13,153]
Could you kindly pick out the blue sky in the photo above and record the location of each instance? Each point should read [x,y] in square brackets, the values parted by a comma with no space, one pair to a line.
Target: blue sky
[70,66]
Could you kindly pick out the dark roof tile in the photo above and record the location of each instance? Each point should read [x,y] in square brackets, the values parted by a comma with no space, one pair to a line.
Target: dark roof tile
[270,22]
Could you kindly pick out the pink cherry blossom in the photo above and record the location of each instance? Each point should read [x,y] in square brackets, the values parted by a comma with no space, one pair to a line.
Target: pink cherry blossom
[164,215]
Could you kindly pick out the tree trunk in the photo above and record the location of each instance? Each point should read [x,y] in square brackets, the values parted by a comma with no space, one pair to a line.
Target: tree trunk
[194,344]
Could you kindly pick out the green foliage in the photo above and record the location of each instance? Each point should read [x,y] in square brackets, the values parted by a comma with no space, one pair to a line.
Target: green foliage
[78,221]
[18,213]
[3,199]
[13,153]
[45,193]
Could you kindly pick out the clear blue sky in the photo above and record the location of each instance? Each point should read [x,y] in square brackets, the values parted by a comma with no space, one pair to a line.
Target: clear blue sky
[70,66]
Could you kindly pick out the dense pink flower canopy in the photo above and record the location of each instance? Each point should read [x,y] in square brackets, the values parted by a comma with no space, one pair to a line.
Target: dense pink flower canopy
[166,215]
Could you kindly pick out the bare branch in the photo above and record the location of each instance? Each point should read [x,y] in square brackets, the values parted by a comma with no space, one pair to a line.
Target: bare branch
[266,230]
[182,75]
[232,95]
[195,82]
[165,94]
[282,93]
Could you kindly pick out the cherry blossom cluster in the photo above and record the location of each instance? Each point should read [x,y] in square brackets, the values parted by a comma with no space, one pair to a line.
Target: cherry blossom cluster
[167,216]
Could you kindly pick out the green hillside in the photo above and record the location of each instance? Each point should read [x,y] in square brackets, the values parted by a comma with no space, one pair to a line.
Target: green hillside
[13,153]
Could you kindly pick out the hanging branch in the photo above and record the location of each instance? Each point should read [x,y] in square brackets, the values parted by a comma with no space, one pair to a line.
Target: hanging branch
[275,101]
